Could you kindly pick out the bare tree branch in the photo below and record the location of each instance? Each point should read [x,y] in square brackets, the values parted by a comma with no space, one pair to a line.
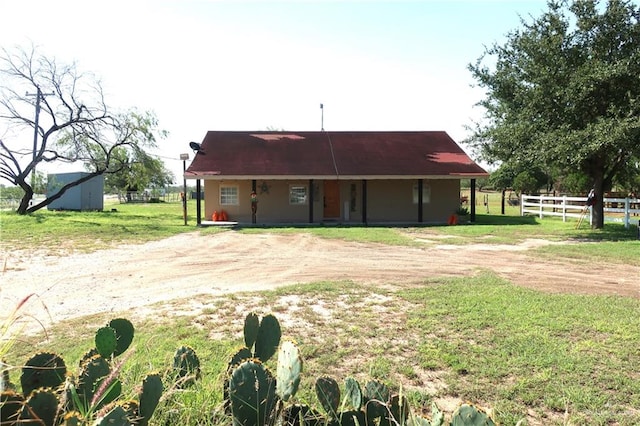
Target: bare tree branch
[74,122]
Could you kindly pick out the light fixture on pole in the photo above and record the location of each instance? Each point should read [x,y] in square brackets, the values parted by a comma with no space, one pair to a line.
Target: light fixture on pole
[184,158]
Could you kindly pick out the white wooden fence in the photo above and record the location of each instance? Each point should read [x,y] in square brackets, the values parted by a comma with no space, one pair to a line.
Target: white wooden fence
[616,209]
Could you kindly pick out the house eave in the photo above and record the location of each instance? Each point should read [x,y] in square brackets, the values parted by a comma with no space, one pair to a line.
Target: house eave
[220,177]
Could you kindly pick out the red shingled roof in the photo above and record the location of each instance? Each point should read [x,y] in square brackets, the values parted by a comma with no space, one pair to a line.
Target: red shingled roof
[361,155]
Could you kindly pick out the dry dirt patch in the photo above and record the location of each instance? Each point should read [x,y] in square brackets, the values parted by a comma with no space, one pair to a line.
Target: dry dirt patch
[186,265]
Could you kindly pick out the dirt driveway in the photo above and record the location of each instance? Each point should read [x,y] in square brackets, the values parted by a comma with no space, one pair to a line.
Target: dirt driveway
[190,264]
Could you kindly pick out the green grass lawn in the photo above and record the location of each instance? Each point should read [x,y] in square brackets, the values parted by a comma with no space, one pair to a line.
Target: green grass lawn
[554,359]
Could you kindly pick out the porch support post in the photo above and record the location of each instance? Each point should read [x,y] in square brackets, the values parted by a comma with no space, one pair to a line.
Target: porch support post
[311,198]
[364,201]
[253,190]
[472,200]
[198,205]
[420,185]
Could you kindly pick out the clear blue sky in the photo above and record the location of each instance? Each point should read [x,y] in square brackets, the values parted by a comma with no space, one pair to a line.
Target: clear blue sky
[248,65]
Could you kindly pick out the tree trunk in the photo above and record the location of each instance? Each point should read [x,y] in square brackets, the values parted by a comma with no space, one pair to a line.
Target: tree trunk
[598,207]
[28,195]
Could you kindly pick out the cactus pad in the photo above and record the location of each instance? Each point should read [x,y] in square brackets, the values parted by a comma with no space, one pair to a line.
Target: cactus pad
[288,370]
[328,393]
[437,416]
[106,341]
[352,418]
[87,356]
[469,415]
[124,334]
[353,392]
[376,396]
[40,408]
[10,405]
[268,338]
[399,408]
[116,417]
[252,394]
[297,414]
[43,370]
[186,365]
[91,373]
[377,390]
[241,355]
[149,397]
[251,326]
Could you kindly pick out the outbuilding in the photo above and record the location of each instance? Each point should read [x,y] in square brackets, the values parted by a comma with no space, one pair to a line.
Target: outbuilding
[265,177]
[87,196]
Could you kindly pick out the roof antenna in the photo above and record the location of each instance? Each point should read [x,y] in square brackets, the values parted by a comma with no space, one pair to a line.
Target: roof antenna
[322,117]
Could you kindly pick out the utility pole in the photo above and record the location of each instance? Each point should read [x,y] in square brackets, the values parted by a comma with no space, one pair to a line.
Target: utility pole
[39,96]
[184,158]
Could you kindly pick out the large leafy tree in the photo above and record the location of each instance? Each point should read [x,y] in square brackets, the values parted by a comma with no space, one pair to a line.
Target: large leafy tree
[139,173]
[72,123]
[564,92]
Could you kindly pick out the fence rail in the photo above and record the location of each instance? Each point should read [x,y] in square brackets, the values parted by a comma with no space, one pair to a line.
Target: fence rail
[616,209]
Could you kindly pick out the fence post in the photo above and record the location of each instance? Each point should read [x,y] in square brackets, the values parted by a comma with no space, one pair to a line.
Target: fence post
[540,206]
[522,204]
[564,208]
[627,205]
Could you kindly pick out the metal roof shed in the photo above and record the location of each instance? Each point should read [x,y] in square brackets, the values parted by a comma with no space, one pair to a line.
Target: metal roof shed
[88,196]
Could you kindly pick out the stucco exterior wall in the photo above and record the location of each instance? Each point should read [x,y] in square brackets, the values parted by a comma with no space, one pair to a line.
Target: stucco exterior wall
[273,202]
[388,201]
[396,201]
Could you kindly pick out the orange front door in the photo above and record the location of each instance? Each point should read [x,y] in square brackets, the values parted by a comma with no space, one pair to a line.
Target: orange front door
[331,199]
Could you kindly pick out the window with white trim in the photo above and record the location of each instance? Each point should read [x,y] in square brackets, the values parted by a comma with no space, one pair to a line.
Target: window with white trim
[228,195]
[426,193]
[297,194]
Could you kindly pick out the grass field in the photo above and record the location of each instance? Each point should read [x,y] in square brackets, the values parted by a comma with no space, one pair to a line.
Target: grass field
[548,359]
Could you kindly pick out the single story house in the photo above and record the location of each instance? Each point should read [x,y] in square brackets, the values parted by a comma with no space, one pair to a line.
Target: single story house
[267,177]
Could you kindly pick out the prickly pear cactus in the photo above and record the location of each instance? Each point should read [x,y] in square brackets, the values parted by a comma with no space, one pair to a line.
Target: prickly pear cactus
[470,415]
[186,365]
[252,394]
[40,408]
[376,395]
[131,407]
[116,417]
[437,416]
[399,409]
[11,404]
[124,334]
[106,341]
[377,390]
[288,370]
[328,393]
[238,357]
[352,418]
[268,338]
[251,326]
[73,418]
[149,397]
[92,374]
[353,392]
[87,356]
[43,370]
[297,414]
